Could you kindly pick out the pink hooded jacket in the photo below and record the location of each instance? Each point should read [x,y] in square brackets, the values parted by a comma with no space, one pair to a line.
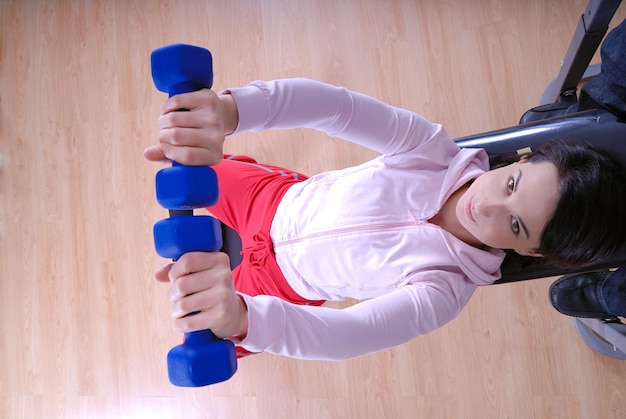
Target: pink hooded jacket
[363,232]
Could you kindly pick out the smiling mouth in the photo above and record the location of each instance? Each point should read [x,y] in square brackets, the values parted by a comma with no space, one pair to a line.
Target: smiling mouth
[468,210]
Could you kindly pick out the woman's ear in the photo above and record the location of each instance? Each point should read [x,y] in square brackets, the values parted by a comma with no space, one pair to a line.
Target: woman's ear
[529,252]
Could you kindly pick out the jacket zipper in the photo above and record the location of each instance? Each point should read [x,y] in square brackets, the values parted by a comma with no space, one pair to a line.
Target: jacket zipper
[343,230]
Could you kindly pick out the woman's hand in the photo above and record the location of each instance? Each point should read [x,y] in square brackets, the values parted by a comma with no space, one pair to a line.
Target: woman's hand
[202,284]
[194,137]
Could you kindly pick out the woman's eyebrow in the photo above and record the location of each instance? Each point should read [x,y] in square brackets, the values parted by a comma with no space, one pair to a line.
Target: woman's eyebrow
[519,177]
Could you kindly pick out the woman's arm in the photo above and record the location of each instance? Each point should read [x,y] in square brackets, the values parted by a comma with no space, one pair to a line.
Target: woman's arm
[202,285]
[324,333]
[336,111]
[196,137]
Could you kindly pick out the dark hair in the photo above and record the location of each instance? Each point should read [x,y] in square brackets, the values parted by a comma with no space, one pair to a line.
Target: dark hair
[589,223]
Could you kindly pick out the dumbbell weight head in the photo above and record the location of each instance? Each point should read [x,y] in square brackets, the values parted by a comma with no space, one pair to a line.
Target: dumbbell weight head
[186,187]
[181,68]
[201,360]
[175,236]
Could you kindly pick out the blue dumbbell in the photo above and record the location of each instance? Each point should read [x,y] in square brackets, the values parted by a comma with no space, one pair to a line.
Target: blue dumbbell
[202,359]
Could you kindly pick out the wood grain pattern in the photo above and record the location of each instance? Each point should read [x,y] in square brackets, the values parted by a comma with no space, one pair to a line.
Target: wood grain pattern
[84,329]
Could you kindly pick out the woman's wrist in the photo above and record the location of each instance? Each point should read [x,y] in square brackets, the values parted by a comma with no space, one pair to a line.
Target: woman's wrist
[243,322]
[229,112]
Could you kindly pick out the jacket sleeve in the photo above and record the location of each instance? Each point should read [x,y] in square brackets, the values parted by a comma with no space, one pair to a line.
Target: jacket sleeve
[324,333]
[336,111]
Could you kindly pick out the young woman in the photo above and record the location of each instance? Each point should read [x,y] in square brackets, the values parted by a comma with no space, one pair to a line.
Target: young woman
[410,234]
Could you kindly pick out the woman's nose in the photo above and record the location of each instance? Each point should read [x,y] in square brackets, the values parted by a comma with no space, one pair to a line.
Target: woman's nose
[488,207]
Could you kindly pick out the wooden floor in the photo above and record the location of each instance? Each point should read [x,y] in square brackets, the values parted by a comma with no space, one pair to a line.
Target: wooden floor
[83,327]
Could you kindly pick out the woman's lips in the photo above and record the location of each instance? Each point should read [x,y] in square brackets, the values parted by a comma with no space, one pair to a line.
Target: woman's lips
[468,210]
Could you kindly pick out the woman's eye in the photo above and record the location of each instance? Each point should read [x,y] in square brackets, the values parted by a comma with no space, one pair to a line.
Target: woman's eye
[515,226]
[510,186]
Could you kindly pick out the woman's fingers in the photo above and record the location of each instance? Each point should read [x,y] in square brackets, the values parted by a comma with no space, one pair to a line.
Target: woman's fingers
[162,275]
[202,295]
[193,262]
[188,101]
[155,154]
[195,137]
[202,276]
[207,155]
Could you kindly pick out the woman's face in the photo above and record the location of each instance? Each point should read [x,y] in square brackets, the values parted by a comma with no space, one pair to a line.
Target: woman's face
[508,208]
